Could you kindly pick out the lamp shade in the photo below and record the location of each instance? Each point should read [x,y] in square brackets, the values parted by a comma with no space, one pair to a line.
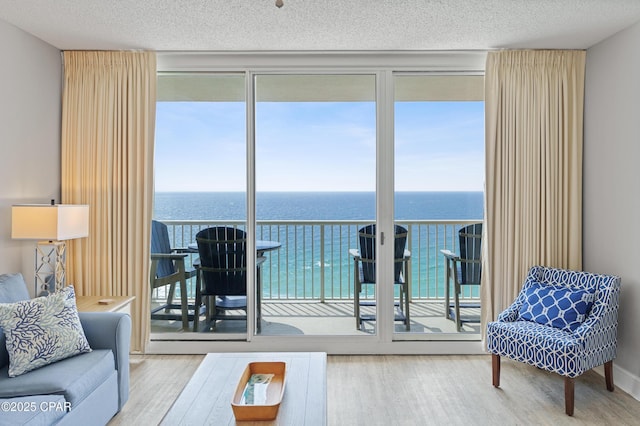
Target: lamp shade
[49,222]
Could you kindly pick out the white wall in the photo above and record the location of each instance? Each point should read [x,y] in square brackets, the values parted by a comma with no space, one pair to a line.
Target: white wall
[30,115]
[612,185]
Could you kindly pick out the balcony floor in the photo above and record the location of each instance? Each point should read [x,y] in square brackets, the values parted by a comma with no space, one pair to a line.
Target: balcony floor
[335,318]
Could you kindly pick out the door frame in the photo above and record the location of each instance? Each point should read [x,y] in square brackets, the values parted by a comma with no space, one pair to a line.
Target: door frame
[382,65]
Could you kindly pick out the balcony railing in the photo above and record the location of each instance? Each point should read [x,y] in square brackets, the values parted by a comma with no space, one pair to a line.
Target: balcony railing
[313,261]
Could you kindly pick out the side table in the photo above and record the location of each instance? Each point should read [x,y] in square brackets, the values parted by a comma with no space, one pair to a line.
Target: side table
[116,304]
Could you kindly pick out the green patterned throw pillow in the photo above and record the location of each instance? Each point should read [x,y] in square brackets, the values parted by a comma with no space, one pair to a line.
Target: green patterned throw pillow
[41,331]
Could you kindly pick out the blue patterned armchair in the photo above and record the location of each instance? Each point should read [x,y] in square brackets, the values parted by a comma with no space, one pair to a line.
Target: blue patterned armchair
[562,321]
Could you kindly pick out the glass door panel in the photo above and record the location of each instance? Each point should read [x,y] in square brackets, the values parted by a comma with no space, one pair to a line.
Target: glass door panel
[439,181]
[200,183]
[315,189]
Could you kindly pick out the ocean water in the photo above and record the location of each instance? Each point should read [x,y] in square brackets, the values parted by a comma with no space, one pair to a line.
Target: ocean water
[316,205]
[314,259]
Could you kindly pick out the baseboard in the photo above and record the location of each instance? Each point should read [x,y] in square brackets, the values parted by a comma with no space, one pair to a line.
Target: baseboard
[624,380]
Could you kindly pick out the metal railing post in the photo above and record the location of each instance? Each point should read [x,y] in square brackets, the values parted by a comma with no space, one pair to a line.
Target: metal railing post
[322,285]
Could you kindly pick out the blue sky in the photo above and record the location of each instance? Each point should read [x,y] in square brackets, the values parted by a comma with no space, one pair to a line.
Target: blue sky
[317,146]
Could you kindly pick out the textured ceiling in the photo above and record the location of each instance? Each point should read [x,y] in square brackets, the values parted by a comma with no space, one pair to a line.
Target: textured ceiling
[309,25]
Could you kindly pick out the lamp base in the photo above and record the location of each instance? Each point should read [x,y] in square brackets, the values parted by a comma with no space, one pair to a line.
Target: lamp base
[50,267]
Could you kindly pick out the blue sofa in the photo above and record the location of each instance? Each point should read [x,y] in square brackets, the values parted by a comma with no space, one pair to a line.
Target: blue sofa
[86,389]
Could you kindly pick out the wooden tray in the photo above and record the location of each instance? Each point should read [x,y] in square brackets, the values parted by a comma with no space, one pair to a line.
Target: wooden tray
[275,390]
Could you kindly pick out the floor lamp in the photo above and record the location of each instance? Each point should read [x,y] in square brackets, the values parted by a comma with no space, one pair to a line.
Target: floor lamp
[52,224]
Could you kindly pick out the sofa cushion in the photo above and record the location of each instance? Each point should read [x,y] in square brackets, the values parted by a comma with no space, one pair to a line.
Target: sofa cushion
[4,355]
[38,410]
[74,377]
[561,307]
[42,330]
[13,288]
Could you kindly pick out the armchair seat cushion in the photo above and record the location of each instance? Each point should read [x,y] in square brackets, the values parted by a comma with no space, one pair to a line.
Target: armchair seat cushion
[535,344]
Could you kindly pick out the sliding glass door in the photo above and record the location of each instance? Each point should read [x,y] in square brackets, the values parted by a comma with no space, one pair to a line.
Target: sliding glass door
[315,175]
[439,181]
[349,184]
[200,183]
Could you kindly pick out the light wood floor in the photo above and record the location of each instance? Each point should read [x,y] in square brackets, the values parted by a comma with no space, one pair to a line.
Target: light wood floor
[409,390]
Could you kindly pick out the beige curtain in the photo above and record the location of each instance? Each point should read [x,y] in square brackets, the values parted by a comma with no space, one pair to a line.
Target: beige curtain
[533,194]
[108,122]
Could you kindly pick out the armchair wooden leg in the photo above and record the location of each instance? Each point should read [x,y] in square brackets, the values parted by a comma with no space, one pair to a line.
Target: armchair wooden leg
[259,299]
[495,366]
[457,308]
[568,395]
[447,279]
[172,289]
[608,375]
[356,294]
[198,302]
[406,313]
[213,312]
[356,309]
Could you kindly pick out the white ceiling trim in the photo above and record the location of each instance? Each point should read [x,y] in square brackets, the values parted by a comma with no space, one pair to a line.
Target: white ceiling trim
[444,61]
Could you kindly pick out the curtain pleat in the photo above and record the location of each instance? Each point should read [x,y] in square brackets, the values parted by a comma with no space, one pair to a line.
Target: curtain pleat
[108,123]
[534,104]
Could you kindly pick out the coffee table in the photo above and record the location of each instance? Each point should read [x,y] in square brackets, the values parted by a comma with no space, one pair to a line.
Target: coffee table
[206,399]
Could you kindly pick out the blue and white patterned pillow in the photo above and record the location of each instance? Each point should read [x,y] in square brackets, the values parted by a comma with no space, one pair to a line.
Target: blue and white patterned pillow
[556,306]
[41,331]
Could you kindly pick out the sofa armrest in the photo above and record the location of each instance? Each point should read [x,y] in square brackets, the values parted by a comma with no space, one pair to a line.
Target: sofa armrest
[111,330]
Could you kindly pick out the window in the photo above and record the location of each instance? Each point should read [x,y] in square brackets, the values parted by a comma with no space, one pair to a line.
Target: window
[319,145]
